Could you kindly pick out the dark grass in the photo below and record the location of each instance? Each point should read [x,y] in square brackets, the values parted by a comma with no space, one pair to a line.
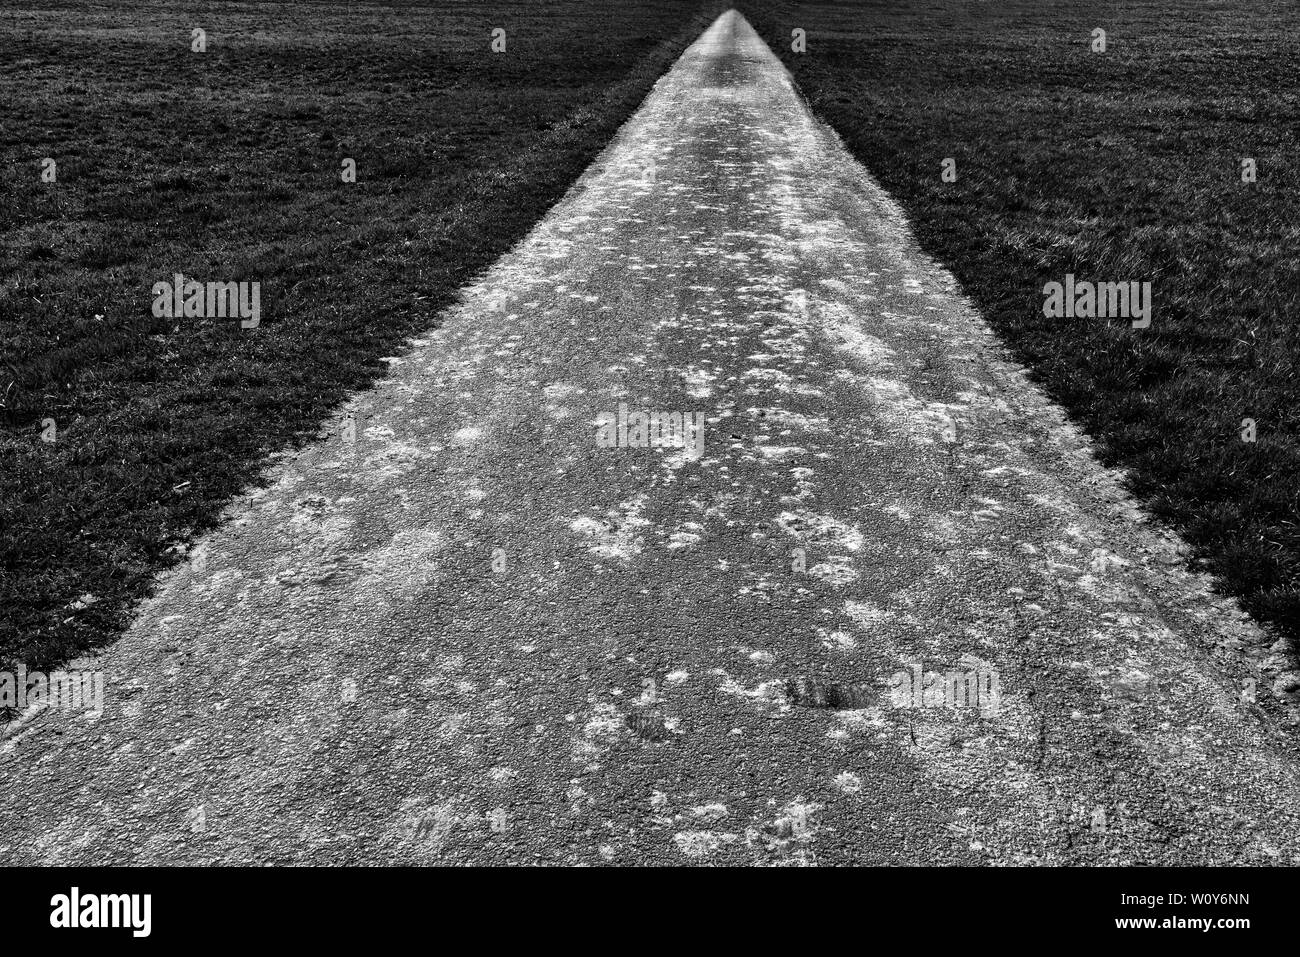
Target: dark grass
[1114,166]
[225,166]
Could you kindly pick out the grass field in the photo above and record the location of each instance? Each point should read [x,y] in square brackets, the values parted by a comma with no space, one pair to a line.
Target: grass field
[225,165]
[1115,166]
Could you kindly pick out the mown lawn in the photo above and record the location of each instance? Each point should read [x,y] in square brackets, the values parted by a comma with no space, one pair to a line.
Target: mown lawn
[1115,166]
[225,165]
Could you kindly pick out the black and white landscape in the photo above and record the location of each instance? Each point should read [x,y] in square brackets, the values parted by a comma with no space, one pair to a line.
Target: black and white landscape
[584,434]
